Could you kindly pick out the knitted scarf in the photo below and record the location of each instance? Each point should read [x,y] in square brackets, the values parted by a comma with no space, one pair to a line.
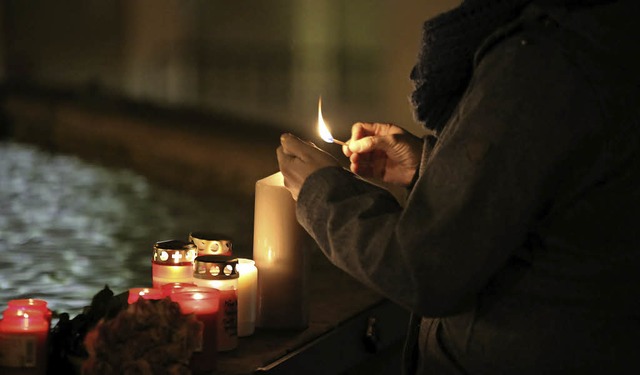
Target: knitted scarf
[449,42]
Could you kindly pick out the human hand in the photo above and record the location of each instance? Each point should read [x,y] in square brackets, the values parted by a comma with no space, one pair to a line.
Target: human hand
[298,159]
[383,151]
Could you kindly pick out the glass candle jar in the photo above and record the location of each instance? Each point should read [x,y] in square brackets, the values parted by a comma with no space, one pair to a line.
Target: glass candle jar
[205,304]
[211,243]
[38,304]
[219,272]
[23,342]
[169,289]
[172,262]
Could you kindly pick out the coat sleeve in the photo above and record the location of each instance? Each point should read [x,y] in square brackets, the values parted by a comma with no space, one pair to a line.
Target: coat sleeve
[525,129]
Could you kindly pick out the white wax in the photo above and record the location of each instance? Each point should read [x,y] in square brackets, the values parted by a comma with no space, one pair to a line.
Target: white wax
[247,292]
[279,247]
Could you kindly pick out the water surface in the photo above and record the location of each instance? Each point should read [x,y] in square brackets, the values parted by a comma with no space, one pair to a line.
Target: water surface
[69,227]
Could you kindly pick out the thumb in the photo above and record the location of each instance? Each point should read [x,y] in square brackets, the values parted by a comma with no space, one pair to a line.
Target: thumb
[292,145]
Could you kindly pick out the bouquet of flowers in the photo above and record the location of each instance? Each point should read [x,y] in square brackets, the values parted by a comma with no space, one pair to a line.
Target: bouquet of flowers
[113,337]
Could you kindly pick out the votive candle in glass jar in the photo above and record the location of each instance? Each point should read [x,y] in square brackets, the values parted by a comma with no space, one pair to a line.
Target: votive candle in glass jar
[169,289]
[172,262]
[38,304]
[205,304]
[23,342]
[219,272]
[209,243]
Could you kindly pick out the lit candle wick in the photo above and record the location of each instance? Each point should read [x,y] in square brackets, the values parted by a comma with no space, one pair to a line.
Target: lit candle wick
[325,134]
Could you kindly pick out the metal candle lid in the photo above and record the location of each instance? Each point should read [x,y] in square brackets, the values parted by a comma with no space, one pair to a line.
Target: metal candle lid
[215,267]
[212,243]
[174,252]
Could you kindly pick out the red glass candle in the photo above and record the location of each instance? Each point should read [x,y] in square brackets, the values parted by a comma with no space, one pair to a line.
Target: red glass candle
[204,303]
[23,342]
[219,272]
[172,262]
[146,293]
[37,304]
[169,289]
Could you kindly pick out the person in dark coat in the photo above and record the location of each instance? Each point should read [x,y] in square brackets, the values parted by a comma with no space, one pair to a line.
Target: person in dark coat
[517,249]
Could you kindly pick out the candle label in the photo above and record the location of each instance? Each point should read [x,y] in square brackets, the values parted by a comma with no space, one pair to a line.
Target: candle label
[18,350]
[230,320]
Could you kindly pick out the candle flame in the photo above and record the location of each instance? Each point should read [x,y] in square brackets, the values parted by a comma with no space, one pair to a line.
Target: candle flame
[198,296]
[325,134]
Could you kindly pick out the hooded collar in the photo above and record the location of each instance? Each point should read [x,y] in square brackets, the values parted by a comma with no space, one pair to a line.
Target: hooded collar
[449,42]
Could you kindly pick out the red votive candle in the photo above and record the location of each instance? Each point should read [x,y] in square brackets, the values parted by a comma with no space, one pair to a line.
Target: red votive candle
[219,272]
[37,304]
[169,289]
[23,342]
[146,293]
[204,303]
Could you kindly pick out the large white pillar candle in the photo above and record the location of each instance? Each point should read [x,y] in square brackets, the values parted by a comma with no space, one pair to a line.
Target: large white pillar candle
[279,247]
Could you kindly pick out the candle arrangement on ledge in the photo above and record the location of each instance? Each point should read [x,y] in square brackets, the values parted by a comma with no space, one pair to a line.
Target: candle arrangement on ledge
[199,290]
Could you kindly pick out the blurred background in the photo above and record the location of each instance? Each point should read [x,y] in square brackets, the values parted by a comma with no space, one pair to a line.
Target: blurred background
[266,61]
[125,122]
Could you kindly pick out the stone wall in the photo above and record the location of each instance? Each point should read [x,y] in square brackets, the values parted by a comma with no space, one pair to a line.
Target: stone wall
[196,152]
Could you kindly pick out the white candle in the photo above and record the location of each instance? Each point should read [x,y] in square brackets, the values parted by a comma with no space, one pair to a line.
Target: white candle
[247,292]
[279,247]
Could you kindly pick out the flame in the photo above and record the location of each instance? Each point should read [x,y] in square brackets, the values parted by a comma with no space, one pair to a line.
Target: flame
[325,134]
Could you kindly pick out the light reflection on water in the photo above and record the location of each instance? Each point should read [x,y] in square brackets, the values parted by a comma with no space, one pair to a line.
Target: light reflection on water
[68,227]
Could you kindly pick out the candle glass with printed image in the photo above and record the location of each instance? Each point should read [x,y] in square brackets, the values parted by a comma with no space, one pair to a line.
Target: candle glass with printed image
[23,342]
[220,272]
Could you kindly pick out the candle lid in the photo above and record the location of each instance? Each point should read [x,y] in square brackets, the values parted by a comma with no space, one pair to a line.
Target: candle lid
[174,252]
[215,267]
[210,243]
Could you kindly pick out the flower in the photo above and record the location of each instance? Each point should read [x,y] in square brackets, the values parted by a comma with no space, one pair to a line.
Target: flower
[147,338]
